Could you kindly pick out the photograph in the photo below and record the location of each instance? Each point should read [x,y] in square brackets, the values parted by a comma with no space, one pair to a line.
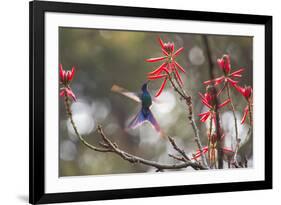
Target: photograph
[143,101]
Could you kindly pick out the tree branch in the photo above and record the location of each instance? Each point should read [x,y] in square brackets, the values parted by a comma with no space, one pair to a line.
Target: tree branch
[177,158]
[218,130]
[135,159]
[188,102]
[108,146]
[181,151]
[69,113]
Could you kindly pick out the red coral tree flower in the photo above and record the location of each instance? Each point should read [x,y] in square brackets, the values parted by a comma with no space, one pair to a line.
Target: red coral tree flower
[224,64]
[199,153]
[247,92]
[169,65]
[65,80]
[209,101]
[226,150]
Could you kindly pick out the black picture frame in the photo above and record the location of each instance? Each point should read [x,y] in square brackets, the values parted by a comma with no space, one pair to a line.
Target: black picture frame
[37,11]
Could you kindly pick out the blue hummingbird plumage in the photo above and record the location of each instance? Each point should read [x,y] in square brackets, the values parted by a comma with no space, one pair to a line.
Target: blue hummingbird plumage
[145,113]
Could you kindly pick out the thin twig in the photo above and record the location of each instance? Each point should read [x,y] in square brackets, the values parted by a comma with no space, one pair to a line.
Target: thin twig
[235,162]
[250,104]
[235,124]
[233,112]
[177,158]
[69,113]
[179,150]
[210,140]
[188,102]
[236,151]
[180,86]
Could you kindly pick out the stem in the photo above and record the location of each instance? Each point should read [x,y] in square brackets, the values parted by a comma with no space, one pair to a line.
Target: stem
[210,140]
[69,113]
[219,144]
[236,164]
[233,112]
[236,152]
[235,123]
[179,150]
[188,102]
[250,104]
[180,86]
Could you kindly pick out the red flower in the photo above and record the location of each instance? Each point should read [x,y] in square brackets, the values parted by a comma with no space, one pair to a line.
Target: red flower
[67,92]
[209,101]
[170,65]
[246,111]
[198,153]
[224,64]
[66,76]
[65,79]
[247,93]
[227,151]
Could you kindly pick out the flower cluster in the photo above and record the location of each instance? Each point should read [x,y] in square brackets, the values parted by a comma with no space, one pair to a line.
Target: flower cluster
[230,78]
[226,151]
[65,80]
[247,93]
[168,67]
[209,100]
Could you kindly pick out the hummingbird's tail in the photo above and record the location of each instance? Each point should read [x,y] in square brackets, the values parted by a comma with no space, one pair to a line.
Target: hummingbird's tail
[141,117]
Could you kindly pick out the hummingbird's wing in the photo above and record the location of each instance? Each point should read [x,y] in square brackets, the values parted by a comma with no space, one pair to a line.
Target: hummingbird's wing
[137,120]
[125,92]
[153,121]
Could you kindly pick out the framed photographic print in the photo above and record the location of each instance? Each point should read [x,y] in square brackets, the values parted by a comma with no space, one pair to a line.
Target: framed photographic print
[140,102]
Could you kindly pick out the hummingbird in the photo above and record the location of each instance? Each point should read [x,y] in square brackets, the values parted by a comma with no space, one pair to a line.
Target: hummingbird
[144,114]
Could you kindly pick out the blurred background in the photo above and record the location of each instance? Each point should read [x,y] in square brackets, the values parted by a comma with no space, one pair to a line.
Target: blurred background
[106,57]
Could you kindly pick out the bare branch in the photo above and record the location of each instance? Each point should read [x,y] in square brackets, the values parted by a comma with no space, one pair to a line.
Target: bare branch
[108,146]
[188,102]
[69,113]
[135,159]
[181,151]
[177,158]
